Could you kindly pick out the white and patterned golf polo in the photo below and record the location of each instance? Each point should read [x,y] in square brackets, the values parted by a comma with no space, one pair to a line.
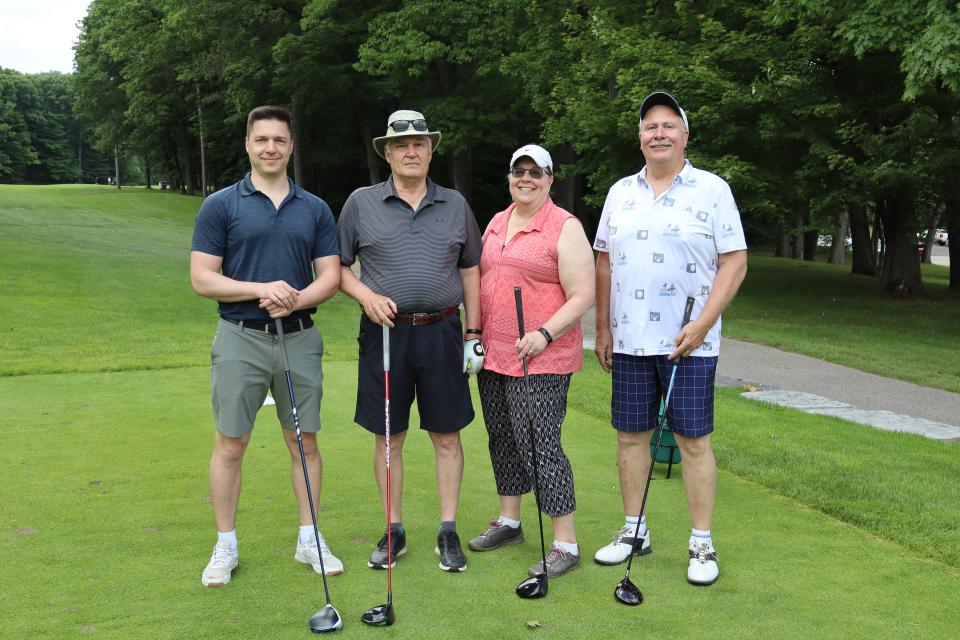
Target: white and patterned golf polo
[662,251]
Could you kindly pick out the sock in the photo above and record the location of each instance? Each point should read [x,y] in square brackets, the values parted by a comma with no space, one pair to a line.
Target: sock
[631,521]
[570,547]
[448,525]
[306,533]
[700,536]
[397,527]
[228,538]
[510,522]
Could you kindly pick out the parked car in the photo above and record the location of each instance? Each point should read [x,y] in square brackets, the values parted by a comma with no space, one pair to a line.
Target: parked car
[941,237]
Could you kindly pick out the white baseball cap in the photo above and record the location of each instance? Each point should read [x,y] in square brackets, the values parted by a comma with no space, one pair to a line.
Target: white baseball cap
[536,153]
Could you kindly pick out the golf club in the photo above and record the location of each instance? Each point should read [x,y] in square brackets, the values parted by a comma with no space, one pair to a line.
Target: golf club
[328,618]
[382,615]
[535,587]
[627,592]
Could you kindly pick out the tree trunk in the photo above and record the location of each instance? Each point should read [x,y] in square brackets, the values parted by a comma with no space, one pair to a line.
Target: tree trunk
[203,153]
[797,237]
[146,170]
[783,243]
[864,256]
[187,160]
[951,222]
[461,166]
[116,164]
[838,248]
[373,160]
[900,272]
[297,129]
[810,245]
[931,234]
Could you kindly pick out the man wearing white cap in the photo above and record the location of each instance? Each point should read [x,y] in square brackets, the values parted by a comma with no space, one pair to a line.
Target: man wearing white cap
[666,233]
[419,251]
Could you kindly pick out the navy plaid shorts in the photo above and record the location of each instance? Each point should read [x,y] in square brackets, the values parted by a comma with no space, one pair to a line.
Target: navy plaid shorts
[640,382]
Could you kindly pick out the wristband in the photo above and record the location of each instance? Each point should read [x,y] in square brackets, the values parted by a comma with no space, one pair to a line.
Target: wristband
[475,332]
[546,334]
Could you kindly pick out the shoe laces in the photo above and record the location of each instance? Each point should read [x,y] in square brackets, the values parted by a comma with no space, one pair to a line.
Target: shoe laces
[556,554]
[495,524]
[222,556]
[700,552]
[625,532]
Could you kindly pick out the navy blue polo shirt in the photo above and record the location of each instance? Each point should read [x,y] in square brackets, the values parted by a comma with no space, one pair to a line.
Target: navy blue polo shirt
[261,243]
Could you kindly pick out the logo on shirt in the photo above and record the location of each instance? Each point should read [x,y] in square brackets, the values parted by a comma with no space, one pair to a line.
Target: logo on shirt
[601,244]
[643,234]
[654,316]
[707,346]
[691,267]
[702,216]
[622,258]
[713,263]
[668,202]
[668,289]
[672,231]
[638,352]
[665,344]
[658,258]
[638,294]
[624,319]
[629,204]
[614,323]
[613,229]
[691,181]
[704,290]
[727,230]
[619,344]
[618,286]
[626,182]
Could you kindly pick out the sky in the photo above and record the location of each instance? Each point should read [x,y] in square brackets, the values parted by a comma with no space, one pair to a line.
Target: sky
[38,35]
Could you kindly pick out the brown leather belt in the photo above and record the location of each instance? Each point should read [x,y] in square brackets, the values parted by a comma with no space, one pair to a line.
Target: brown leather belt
[424,318]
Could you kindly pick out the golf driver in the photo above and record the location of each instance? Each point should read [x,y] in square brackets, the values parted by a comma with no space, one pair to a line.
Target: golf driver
[627,592]
[328,618]
[535,587]
[382,615]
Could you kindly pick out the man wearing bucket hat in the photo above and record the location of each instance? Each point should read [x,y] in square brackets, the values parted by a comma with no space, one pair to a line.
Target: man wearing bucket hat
[419,250]
[666,233]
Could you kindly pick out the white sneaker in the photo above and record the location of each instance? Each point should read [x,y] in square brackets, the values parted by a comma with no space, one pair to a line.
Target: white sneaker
[619,550]
[703,569]
[307,554]
[222,563]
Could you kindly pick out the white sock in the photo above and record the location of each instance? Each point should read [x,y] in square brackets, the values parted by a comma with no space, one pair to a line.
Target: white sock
[228,538]
[631,521]
[306,533]
[510,522]
[570,547]
[701,536]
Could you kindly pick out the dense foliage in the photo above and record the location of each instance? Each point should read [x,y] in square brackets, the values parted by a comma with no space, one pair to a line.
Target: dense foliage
[830,118]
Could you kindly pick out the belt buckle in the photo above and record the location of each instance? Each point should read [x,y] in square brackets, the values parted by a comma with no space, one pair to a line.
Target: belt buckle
[266,328]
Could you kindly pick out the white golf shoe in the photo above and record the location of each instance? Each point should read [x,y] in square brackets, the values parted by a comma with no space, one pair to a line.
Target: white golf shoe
[218,571]
[618,551]
[703,569]
[307,554]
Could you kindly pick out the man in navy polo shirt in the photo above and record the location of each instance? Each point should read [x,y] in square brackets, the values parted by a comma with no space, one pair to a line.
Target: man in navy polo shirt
[264,249]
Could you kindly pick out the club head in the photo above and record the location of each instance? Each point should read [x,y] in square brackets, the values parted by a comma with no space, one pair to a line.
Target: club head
[381,616]
[535,587]
[327,619]
[628,593]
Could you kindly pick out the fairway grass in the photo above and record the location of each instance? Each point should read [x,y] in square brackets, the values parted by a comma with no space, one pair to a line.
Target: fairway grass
[107,527]
[825,529]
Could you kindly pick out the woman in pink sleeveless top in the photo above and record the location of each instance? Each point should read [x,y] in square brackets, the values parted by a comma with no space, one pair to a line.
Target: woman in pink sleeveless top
[542,248]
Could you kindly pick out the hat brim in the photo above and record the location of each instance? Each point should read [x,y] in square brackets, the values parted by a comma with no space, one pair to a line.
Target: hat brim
[381,142]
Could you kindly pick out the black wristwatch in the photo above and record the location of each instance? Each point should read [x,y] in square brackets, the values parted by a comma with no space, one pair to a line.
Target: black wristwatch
[546,334]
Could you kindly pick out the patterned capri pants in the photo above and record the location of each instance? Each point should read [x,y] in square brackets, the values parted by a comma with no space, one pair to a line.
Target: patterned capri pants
[503,399]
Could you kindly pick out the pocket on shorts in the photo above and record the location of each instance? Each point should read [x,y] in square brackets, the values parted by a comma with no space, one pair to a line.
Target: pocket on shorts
[367,339]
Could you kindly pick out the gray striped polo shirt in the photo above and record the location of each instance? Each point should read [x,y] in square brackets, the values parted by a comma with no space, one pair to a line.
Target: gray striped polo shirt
[410,256]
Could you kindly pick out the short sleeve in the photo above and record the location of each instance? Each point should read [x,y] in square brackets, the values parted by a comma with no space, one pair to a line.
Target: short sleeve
[729,230]
[347,231]
[210,229]
[602,241]
[472,246]
[325,240]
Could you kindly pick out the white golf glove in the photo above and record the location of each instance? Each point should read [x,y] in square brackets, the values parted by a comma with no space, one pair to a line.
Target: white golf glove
[472,356]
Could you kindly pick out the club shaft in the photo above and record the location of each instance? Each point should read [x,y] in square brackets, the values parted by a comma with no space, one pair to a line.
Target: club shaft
[303,457]
[518,298]
[386,426]
[687,312]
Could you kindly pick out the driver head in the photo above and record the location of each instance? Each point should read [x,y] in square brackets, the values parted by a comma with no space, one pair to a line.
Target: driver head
[535,587]
[628,593]
[381,616]
[327,619]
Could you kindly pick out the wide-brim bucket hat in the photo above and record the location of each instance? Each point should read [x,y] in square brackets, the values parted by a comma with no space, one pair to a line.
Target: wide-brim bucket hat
[405,123]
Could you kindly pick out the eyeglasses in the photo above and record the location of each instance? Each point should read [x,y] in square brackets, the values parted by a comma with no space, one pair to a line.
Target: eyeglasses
[536,172]
[402,125]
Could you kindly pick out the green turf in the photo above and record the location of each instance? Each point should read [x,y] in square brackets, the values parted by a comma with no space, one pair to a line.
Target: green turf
[825,529]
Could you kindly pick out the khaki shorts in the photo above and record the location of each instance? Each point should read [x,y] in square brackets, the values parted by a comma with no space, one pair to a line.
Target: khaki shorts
[245,363]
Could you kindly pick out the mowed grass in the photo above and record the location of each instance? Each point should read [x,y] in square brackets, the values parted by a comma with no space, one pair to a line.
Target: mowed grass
[823,311]
[825,529]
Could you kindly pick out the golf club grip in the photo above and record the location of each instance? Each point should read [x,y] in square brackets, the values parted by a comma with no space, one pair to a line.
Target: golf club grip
[519,300]
[278,322]
[687,311]
[386,347]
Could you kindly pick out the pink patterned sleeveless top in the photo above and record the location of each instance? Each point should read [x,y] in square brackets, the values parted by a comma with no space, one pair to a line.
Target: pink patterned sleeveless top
[529,260]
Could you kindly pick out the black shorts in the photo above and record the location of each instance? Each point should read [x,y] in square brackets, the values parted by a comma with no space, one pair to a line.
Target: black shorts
[426,362]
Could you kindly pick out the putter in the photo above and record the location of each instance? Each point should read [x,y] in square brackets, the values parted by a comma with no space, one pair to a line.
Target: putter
[535,587]
[383,615]
[328,618]
[627,592]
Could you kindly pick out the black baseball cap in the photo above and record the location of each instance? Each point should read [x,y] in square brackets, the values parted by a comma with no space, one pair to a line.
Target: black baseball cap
[667,100]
